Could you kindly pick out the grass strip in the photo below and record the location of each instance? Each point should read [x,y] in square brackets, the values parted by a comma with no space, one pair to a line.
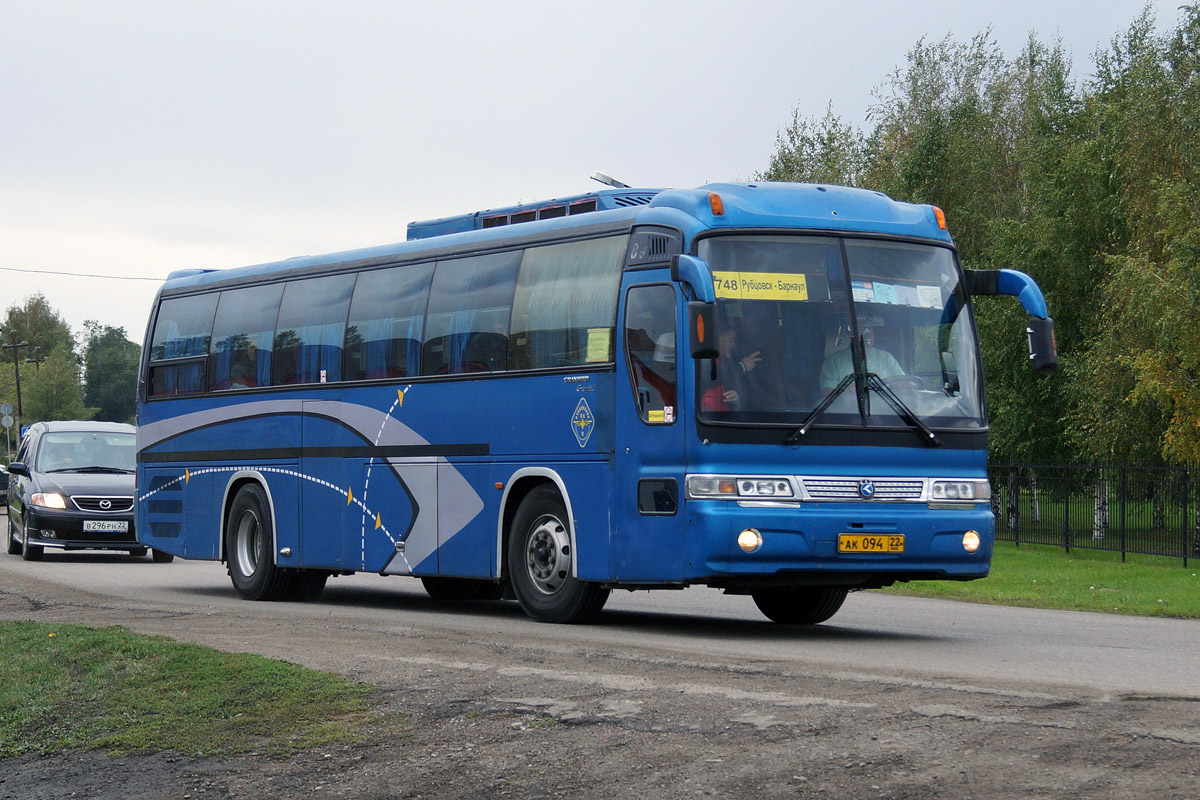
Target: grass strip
[1082,580]
[68,687]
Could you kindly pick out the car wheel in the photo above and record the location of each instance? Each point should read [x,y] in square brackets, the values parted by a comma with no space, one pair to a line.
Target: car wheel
[29,552]
[14,544]
[541,562]
[250,545]
[800,605]
[161,557]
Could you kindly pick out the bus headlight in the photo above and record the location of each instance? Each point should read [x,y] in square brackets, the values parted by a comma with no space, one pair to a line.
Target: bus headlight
[749,540]
[971,541]
[729,487]
[970,491]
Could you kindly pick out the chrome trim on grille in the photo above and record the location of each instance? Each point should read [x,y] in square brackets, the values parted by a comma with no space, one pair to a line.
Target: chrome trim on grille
[830,488]
[95,503]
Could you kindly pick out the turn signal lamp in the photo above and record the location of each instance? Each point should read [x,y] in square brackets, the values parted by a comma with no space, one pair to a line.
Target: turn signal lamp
[716,204]
[940,216]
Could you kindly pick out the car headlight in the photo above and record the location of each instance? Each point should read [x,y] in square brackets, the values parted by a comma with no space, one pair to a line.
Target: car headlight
[48,500]
[970,491]
[729,487]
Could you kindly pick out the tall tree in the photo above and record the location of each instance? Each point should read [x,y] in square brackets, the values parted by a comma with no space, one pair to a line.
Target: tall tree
[54,391]
[110,372]
[39,326]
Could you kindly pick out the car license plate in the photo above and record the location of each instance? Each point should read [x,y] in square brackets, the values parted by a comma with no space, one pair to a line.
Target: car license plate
[106,525]
[870,543]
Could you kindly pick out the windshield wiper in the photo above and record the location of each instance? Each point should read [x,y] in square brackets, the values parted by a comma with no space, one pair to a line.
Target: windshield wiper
[115,470]
[820,409]
[875,382]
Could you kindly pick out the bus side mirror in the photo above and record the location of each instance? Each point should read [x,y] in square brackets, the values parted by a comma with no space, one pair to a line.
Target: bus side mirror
[694,273]
[1043,347]
[702,329]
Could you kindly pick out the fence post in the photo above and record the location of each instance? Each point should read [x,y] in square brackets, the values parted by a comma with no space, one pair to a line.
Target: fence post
[1124,479]
[1184,522]
[1067,510]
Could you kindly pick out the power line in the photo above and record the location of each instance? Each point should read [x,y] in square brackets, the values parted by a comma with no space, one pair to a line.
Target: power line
[79,274]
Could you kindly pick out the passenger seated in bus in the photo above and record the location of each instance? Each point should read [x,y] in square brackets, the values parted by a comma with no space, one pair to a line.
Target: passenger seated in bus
[724,394]
[243,373]
[840,363]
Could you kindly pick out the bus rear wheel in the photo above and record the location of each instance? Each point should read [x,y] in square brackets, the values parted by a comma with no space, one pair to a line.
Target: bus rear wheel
[800,605]
[249,547]
[541,562]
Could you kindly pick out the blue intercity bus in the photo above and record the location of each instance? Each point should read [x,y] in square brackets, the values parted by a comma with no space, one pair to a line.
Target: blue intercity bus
[772,389]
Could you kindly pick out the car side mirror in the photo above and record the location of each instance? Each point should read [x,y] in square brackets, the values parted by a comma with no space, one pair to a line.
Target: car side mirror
[19,468]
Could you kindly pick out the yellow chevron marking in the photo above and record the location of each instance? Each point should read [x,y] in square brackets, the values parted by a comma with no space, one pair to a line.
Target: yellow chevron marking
[349,497]
[378,521]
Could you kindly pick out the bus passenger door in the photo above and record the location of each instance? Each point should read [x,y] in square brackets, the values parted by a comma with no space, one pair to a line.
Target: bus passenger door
[649,524]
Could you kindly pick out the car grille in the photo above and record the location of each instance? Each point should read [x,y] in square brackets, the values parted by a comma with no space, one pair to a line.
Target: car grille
[114,504]
[847,489]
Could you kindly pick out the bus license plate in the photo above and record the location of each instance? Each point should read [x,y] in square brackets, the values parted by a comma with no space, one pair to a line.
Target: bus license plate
[870,543]
[106,526]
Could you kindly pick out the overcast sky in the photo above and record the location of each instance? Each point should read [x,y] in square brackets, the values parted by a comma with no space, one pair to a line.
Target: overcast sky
[138,138]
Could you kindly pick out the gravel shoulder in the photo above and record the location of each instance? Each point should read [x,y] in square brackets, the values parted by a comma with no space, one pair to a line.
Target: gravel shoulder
[535,716]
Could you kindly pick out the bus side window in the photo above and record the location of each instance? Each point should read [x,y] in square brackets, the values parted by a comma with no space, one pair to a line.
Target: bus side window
[566,304]
[470,303]
[181,337]
[243,337]
[311,330]
[383,334]
[650,349]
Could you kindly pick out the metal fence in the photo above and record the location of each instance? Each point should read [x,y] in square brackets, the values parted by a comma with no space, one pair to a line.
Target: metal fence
[1120,508]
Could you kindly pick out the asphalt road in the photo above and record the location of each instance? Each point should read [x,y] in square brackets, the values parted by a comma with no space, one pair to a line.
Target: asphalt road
[873,633]
[666,694]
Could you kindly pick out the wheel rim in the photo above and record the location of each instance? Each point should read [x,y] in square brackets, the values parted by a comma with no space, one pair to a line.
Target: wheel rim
[246,542]
[548,554]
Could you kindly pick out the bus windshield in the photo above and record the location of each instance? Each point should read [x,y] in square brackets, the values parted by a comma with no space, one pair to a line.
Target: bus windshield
[883,325]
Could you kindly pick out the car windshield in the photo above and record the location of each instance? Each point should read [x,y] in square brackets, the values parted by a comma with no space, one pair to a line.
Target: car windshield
[86,451]
[800,317]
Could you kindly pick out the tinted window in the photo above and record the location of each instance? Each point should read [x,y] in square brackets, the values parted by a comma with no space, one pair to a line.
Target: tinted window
[183,330]
[84,450]
[469,308]
[650,347]
[566,304]
[243,335]
[311,329]
[383,336]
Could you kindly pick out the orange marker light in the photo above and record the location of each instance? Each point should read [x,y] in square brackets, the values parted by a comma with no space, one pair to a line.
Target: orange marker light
[940,216]
[700,329]
[714,202]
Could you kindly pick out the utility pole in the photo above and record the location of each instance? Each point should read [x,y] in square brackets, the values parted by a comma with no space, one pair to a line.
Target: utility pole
[14,345]
[36,358]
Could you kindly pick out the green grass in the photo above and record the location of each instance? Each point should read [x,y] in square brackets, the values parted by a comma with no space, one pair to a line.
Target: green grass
[1082,580]
[66,687]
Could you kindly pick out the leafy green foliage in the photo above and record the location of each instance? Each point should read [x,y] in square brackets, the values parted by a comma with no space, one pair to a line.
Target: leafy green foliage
[110,372]
[1092,188]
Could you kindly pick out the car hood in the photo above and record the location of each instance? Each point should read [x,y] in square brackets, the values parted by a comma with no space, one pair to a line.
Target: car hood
[84,483]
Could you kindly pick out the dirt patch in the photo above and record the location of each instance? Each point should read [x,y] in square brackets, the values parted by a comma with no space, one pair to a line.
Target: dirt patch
[471,715]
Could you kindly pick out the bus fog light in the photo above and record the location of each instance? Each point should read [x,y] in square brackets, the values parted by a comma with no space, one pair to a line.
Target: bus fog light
[749,540]
[971,541]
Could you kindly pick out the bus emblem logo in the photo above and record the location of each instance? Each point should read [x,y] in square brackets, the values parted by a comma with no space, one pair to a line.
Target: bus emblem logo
[582,423]
[866,489]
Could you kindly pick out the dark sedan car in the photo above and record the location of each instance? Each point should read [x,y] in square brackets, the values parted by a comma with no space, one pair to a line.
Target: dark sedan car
[71,488]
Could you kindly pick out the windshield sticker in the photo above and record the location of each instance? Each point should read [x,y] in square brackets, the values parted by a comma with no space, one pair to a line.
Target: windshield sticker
[864,291]
[895,294]
[760,286]
[931,296]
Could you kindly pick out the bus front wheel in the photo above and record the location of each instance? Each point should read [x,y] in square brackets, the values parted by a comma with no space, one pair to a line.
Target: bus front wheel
[541,562]
[249,547]
[800,605]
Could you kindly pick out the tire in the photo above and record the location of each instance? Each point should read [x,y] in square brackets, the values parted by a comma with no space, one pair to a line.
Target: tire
[161,557]
[451,589]
[540,562]
[306,584]
[800,605]
[29,552]
[250,547]
[14,544]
